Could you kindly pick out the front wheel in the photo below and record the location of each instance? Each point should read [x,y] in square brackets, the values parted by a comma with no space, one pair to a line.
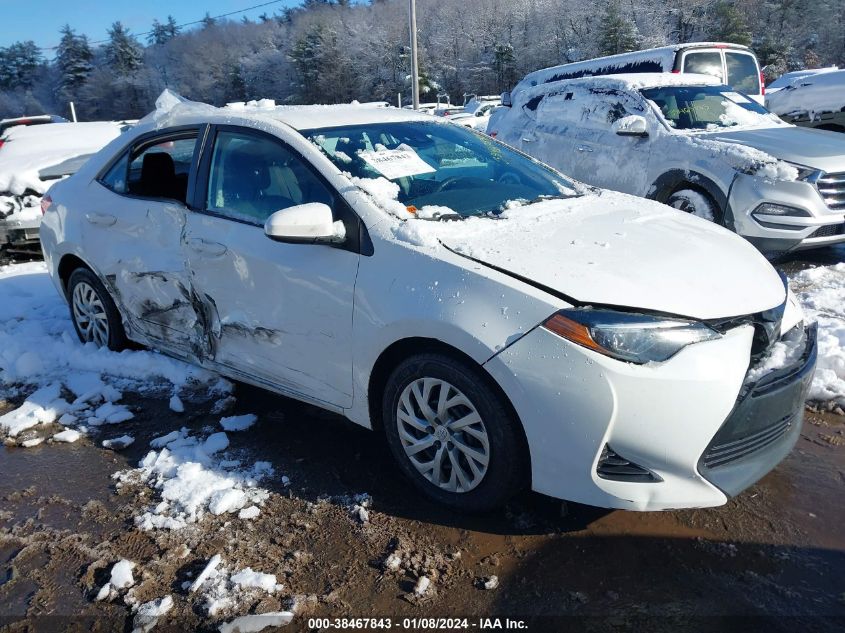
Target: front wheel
[93,312]
[695,203]
[452,434]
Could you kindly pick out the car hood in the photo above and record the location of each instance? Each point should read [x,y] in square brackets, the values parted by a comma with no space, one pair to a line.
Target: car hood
[814,148]
[618,250]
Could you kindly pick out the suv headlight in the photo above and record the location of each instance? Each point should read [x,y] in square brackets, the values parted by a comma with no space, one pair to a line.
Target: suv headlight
[806,174]
[634,338]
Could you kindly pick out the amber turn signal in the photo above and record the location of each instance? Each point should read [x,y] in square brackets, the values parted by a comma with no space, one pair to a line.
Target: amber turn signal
[573,331]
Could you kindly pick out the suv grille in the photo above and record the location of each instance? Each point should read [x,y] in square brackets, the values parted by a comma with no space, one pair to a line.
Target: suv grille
[832,188]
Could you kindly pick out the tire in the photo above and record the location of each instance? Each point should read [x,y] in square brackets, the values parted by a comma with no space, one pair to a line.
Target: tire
[93,312]
[473,486]
[696,203]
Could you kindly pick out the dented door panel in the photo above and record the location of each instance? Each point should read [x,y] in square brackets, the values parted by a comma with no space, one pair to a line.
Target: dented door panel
[139,256]
[281,313]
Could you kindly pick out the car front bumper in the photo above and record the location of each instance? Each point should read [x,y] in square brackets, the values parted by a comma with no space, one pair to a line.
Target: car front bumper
[575,405]
[781,234]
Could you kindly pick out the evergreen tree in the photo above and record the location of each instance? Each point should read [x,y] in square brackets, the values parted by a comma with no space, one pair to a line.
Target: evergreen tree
[19,64]
[729,24]
[504,63]
[208,21]
[123,52]
[74,61]
[163,33]
[617,34]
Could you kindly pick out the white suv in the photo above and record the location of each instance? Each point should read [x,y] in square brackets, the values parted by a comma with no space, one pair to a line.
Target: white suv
[499,326]
[692,143]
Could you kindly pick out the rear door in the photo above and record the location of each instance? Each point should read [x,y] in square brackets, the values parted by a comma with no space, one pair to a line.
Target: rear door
[743,74]
[704,62]
[133,226]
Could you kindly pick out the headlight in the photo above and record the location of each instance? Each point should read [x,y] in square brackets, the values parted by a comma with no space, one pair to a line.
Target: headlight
[634,338]
[806,174]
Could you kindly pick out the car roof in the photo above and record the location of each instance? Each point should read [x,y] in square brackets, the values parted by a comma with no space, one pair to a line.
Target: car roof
[306,117]
[634,81]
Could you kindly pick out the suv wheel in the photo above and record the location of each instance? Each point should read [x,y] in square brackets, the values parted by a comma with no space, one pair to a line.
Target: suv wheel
[94,314]
[695,203]
[451,433]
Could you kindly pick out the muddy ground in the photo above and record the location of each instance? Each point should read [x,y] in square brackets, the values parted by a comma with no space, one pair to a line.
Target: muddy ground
[777,550]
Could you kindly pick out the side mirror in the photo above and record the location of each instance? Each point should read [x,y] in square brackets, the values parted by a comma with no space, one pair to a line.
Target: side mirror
[305,223]
[631,126]
[506,99]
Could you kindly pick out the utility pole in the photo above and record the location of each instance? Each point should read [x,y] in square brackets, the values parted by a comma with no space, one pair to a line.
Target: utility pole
[415,69]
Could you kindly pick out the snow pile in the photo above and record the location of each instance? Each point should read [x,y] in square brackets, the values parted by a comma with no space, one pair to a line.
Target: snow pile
[71,383]
[222,591]
[238,422]
[822,92]
[192,481]
[147,614]
[68,436]
[121,578]
[255,623]
[821,292]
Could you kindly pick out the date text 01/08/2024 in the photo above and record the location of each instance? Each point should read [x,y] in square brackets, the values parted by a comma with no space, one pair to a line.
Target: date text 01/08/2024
[424,624]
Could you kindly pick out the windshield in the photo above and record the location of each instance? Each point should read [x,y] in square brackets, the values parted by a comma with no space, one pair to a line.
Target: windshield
[440,165]
[708,108]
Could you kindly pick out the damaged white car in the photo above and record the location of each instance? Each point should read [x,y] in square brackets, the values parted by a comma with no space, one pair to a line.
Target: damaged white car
[502,326]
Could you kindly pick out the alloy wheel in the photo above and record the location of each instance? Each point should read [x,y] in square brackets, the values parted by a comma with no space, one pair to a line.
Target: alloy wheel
[90,314]
[443,434]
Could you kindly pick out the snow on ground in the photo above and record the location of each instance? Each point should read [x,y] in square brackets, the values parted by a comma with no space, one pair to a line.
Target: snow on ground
[67,382]
[821,291]
[193,479]
[221,591]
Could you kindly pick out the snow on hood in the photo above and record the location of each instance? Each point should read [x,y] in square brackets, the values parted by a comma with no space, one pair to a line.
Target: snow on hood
[804,146]
[29,149]
[614,249]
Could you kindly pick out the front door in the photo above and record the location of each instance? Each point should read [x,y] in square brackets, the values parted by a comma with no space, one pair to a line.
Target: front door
[280,313]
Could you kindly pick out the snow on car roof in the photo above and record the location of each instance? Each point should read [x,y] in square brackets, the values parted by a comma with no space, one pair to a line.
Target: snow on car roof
[29,149]
[631,81]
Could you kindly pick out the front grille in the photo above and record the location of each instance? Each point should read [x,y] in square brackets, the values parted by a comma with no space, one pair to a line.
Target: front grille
[613,466]
[721,454]
[831,230]
[832,188]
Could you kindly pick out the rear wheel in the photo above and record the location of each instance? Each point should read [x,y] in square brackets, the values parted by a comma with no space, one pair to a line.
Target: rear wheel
[695,203]
[93,312]
[452,434]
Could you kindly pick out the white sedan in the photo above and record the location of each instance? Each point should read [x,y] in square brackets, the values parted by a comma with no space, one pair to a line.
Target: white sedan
[502,326]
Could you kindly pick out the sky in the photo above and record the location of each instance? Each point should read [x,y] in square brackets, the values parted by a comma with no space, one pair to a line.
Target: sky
[40,20]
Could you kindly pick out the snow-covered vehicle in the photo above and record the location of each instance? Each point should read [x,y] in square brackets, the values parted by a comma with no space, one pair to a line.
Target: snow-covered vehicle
[694,144]
[734,65]
[30,159]
[816,100]
[38,119]
[503,326]
[482,102]
[787,78]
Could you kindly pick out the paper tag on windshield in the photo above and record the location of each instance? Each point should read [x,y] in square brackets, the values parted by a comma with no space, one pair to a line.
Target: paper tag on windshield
[736,97]
[396,163]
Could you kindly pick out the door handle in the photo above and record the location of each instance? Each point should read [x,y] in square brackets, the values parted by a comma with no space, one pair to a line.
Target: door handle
[204,247]
[584,148]
[100,219]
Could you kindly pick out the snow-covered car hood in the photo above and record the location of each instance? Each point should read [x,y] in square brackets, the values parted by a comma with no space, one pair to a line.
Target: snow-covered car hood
[620,250]
[805,146]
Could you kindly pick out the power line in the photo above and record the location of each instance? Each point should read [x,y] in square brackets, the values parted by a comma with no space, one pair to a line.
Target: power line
[179,26]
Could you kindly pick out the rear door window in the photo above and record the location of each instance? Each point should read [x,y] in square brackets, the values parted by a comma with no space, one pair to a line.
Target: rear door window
[704,63]
[743,74]
[160,168]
